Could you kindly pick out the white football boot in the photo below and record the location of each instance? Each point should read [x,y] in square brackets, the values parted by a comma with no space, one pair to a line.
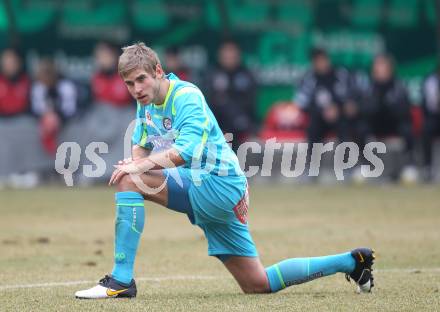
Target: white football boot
[108,287]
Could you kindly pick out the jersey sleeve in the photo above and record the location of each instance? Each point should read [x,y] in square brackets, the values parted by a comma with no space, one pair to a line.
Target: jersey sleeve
[140,134]
[193,123]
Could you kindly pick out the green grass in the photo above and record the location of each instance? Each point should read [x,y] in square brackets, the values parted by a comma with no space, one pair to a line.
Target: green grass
[60,235]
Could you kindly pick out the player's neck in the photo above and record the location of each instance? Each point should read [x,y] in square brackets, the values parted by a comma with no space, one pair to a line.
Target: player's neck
[164,85]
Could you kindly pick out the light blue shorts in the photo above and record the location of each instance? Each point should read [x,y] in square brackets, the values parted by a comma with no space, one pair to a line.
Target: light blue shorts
[218,205]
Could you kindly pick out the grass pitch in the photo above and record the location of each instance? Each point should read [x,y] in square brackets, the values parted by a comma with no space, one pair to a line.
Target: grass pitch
[53,241]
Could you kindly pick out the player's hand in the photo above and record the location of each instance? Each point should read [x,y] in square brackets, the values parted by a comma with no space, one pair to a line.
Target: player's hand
[126,166]
[125,161]
[119,172]
[117,175]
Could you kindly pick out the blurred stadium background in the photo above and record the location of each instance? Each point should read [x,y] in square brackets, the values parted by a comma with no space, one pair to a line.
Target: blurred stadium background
[68,51]
[58,83]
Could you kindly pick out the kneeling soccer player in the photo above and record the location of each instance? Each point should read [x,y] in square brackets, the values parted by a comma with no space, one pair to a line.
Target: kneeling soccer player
[196,173]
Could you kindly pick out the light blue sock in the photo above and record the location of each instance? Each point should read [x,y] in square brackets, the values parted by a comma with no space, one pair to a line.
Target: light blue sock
[300,270]
[129,225]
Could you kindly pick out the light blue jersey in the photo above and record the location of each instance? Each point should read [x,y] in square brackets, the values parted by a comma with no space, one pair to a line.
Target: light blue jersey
[210,187]
[184,121]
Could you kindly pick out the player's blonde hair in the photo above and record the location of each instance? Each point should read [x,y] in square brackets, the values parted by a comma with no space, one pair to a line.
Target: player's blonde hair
[137,56]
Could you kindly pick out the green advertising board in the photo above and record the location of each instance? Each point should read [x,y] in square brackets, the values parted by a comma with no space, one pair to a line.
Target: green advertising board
[275,35]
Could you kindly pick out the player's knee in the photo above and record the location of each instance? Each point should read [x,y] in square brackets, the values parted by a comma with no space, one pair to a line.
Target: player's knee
[256,286]
[126,184]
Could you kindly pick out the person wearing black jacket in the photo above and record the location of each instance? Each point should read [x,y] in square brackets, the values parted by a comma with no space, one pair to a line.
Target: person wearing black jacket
[431,124]
[386,109]
[231,91]
[325,94]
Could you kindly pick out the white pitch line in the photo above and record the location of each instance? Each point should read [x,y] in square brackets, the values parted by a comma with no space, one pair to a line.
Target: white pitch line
[193,278]
[147,279]
[180,278]
[409,270]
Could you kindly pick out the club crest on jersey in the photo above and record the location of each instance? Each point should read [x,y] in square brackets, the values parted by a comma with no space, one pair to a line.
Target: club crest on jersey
[148,116]
[167,123]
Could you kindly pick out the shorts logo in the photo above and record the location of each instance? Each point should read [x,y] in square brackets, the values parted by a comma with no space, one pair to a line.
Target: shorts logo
[166,123]
[241,209]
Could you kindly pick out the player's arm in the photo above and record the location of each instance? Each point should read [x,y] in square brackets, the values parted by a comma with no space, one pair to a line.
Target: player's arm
[169,158]
[193,124]
[141,148]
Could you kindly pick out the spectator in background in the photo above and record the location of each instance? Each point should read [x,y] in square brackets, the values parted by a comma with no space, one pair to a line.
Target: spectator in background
[107,86]
[18,129]
[173,63]
[387,109]
[54,100]
[14,85]
[325,93]
[431,125]
[111,111]
[231,91]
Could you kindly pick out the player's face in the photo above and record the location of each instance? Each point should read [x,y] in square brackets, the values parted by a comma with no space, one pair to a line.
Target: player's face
[143,86]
